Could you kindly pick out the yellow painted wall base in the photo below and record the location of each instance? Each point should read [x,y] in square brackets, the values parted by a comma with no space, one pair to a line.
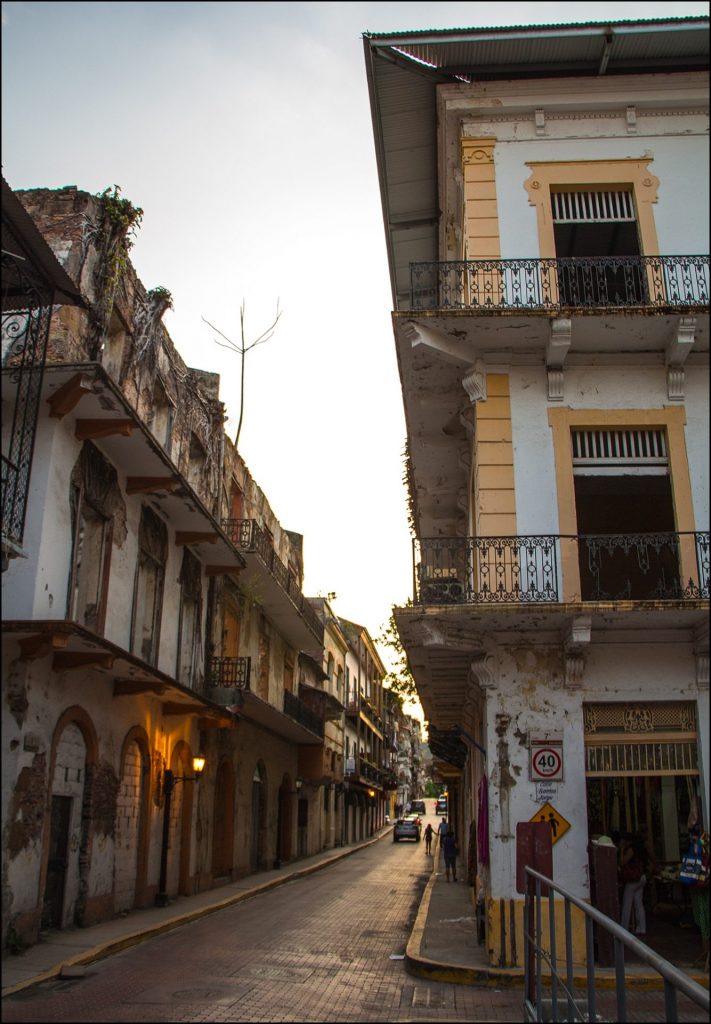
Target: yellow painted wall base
[504,932]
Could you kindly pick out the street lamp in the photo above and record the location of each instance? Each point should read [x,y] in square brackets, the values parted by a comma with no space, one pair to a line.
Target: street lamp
[169,781]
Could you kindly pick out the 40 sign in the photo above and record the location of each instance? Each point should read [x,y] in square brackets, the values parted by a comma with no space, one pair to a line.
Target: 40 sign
[547,759]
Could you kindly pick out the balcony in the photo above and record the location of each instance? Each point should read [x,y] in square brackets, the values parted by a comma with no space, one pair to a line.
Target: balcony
[230,673]
[276,587]
[669,283]
[299,712]
[361,708]
[361,768]
[526,570]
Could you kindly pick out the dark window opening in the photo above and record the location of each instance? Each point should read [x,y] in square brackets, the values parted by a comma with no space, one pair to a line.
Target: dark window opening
[628,548]
[587,242]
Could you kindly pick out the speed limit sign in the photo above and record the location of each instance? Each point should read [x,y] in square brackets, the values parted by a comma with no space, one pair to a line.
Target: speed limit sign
[546,760]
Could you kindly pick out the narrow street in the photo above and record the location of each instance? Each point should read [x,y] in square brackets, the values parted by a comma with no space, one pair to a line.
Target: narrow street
[316,949]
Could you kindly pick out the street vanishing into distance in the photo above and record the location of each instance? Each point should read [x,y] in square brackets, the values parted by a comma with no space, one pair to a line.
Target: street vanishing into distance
[316,949]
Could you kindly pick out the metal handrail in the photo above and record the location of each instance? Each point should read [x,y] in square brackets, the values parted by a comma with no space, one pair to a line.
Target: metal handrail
[674,979]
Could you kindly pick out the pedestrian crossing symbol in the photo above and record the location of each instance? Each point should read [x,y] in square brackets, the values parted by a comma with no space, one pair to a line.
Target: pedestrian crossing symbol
[559,826]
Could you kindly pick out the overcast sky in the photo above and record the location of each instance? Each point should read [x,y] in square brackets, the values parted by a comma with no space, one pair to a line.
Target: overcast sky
[243,130]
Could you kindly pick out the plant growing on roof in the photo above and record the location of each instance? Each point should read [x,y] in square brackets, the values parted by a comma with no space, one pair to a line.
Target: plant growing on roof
[120,220]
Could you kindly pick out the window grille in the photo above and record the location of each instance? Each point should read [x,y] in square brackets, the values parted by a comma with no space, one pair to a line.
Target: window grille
[646,758]
[619,448]
[592,207]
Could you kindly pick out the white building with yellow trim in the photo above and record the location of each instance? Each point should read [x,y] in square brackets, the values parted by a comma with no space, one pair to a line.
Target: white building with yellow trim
[545,195]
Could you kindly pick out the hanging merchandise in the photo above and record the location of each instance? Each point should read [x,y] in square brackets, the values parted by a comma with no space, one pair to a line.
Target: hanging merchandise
[693,871]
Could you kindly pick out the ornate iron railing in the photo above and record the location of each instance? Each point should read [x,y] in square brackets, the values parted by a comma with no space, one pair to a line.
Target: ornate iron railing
[248,535]
[296,709]
[229,672]
[590,282]
[472,570]
[510,570]
[26,314]
[643,566]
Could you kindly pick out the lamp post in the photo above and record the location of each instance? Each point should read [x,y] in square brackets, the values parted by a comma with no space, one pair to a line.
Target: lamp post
[169,781]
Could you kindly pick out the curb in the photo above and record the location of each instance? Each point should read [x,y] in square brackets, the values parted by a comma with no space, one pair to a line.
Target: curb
[112,946]
[497,977]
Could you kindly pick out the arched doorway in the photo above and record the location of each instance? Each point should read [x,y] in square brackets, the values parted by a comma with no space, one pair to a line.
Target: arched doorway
[259,801]
[68,826]
[223,821]
[130,841]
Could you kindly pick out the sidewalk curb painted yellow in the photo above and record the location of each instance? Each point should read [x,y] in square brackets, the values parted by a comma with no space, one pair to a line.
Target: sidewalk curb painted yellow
[499,977]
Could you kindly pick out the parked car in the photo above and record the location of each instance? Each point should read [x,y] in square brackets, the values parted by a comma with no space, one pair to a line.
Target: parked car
[408,827]
[417,807]
[441,805]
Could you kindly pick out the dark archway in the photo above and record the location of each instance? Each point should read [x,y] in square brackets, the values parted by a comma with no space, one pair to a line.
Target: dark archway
[223,821]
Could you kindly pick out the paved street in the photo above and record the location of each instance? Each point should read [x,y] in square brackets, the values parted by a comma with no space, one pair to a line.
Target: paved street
[316,949]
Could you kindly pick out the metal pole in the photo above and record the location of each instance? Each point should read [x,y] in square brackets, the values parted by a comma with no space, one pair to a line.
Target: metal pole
[569,959]
[670,1002]
[620,982]
[554,965]
[539,959]
[590,962]
[161,899]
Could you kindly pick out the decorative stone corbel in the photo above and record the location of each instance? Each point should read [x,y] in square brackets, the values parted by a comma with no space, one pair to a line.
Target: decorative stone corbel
[556,351]
[483,670]
[474,382]
[631,119]
[577,639]
[677,352]
[540,120]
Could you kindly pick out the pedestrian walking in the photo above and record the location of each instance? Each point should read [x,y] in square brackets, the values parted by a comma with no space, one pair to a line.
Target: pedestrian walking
[450,850]
[429,832]
[442,830]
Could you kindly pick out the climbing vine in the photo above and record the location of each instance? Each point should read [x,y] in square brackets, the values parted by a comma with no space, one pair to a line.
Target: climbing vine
[120,220]
[408,479]
[399,679]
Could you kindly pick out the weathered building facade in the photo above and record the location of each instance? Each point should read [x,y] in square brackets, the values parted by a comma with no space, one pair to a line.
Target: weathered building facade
[550,283]
[155,613]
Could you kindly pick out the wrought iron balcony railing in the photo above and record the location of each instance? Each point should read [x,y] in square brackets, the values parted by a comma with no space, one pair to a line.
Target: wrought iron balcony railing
[248,535]
[511,570]
[590,282]
[296,709]
[229,672]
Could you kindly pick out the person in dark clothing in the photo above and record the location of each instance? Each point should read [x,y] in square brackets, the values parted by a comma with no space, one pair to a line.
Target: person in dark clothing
[450,851]
[429,832]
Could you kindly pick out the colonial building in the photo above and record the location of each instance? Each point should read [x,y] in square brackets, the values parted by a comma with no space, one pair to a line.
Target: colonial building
[153,618]
[545,196]
[366,775]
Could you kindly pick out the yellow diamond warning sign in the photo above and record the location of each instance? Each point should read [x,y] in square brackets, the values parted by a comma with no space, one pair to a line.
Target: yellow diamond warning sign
[559,826]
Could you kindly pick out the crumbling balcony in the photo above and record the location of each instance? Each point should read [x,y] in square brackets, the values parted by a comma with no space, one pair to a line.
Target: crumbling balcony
[297,709]
[671,283]
[528,570]
[276,587]
[232,673]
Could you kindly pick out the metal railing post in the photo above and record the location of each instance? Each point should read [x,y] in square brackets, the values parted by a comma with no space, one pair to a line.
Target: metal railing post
[590,964]
[569,980]
[620,991]
[539,980]
[551,936]
[670,1002]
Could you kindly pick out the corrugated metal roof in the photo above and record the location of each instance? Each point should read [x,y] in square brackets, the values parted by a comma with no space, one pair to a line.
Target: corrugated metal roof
[404,69]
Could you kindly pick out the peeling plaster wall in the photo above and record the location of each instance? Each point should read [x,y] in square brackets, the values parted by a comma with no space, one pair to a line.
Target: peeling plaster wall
[28,740]
[531,698]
